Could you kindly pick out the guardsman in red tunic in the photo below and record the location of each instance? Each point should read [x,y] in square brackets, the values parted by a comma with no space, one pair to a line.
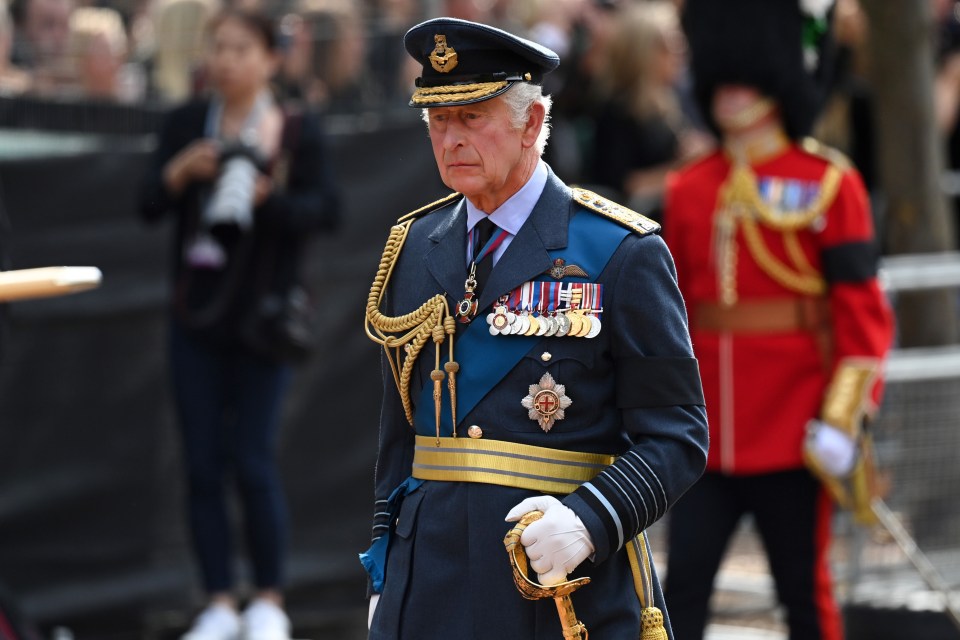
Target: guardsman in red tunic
[774,247]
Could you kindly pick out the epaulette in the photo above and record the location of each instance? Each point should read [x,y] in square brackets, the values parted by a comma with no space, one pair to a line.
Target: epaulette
[433,206]
[834,156]
[632,220]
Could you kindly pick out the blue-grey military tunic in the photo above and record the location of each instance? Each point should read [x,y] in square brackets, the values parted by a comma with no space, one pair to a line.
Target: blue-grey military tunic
[635,392]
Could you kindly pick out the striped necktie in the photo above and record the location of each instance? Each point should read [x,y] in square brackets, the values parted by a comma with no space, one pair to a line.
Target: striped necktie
[483,231]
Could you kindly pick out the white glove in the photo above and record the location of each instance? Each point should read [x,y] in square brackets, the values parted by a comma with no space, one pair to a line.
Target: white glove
[374,599]
[556,543]
[834,449]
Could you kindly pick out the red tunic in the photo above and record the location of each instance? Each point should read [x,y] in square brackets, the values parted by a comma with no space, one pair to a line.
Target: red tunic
[762,388]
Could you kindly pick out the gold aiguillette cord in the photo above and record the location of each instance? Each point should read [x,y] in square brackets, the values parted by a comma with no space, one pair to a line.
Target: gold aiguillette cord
[410,332]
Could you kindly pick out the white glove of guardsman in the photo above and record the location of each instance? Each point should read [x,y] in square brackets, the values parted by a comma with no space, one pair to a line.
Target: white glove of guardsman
[555,544]
[833,449]
[843,461]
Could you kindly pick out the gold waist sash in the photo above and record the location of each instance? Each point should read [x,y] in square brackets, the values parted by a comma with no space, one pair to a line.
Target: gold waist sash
[507,464]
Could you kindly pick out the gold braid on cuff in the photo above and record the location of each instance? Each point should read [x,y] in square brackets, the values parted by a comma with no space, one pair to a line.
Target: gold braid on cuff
[848,399]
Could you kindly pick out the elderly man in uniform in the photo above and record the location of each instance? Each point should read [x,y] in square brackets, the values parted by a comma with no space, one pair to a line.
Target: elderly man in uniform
[536,358]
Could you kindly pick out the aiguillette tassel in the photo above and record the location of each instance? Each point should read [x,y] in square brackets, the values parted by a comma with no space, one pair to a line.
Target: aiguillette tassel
[651,624]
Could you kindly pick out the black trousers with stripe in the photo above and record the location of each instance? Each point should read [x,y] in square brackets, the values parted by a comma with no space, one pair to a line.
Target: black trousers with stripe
[792,514]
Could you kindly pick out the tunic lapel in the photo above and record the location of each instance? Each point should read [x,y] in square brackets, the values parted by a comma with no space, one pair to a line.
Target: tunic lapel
[447,260]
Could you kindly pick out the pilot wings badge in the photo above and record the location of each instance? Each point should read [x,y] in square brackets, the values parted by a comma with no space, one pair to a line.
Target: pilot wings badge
[561,269]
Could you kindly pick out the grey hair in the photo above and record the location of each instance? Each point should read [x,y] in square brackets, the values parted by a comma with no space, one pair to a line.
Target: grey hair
[519,98]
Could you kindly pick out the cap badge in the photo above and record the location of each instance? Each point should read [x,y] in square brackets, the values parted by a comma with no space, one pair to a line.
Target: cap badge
[443,58]
[546,402]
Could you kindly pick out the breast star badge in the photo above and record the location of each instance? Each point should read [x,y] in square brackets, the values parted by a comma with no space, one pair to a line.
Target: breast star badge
[546,402]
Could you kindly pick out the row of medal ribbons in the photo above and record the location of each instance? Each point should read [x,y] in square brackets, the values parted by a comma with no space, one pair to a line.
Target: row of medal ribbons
[549,309]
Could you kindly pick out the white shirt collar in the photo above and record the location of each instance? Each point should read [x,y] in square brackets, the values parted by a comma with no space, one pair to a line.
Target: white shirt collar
[514,212]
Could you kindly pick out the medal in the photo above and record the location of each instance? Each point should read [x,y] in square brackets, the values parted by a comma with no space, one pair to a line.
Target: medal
[542,309]
[515,306]
[542,325]
[521,325]
[534,326]
[563,325]
[500,320]
[576,325]
[467,307]
[546,402]
[595,326]
[592,307]
[551,326]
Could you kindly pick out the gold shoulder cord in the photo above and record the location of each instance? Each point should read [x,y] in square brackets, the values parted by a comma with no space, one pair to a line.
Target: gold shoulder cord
[741,195]
[432,320]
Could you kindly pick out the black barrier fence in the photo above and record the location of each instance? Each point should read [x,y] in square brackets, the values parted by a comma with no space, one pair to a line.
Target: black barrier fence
[91,522]
[26,112]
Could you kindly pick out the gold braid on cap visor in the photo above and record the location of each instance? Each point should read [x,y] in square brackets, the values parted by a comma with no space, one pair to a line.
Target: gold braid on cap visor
[425,96]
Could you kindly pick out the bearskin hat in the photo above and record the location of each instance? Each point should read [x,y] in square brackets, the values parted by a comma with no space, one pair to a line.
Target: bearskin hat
[770,45]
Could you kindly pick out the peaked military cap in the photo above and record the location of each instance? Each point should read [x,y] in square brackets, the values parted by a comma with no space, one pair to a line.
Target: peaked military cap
[465,62]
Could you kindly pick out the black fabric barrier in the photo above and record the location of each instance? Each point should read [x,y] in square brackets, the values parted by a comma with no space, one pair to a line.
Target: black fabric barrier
[70,115]
[91,518]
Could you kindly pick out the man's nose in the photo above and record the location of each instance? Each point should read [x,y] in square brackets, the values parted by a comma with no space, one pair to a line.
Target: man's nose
[453,136]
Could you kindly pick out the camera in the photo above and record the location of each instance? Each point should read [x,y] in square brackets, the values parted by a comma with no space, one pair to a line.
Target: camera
[231,201]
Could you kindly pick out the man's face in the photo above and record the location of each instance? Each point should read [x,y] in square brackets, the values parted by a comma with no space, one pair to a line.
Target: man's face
[478,151]
[731,102]
[47,26]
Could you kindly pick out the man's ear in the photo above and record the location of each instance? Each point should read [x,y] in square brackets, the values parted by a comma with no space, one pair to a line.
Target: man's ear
[531,130]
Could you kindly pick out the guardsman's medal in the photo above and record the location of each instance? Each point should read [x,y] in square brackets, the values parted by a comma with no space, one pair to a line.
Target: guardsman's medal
[546,402]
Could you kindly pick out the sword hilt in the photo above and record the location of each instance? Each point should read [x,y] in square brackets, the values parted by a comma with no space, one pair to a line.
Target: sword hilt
[573,629]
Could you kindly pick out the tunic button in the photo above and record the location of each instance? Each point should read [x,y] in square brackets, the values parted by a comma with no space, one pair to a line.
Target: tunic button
[546,356]
[475,432]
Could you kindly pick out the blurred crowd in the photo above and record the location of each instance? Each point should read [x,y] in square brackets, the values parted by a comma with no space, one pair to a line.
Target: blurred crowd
[621,121]
[623,114]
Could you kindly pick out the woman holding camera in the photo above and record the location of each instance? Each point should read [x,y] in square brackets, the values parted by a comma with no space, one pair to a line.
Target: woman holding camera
[246,183]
